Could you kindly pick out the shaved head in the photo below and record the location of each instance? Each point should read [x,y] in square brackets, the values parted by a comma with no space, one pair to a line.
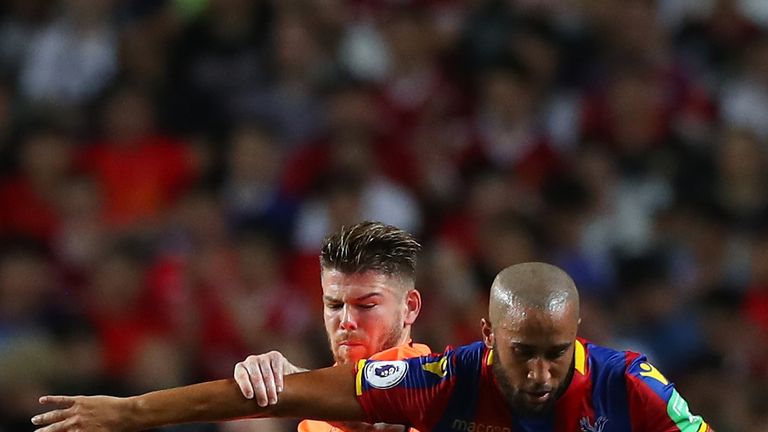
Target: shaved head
[533,321]
[534,285]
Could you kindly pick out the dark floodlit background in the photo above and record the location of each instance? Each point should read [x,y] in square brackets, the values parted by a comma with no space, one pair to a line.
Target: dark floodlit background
[169,169]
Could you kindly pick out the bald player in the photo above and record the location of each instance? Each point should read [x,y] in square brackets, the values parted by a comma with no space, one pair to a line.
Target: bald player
[529,373]
[535,308]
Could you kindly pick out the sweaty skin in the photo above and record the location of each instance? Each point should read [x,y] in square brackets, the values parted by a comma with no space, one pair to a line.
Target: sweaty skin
[531,285]
[534,318]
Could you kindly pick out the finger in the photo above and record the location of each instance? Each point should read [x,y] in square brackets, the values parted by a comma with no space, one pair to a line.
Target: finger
[63,401]
[277,367]
[51,417]
[243,381]
[56,427]
[269,380]
[257,382]
[65,426]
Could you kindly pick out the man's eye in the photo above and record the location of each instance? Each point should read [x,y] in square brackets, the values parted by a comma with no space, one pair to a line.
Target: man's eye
[368,306]
[557,354]
[523,353]
[333,306]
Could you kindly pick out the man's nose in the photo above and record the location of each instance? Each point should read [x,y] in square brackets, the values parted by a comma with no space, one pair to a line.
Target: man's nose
[348,318]
[539,371]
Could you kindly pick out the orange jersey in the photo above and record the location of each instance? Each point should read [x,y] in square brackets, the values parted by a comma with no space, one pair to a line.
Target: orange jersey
[404,351]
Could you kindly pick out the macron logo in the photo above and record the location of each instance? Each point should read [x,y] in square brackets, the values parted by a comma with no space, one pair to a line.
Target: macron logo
[465,426]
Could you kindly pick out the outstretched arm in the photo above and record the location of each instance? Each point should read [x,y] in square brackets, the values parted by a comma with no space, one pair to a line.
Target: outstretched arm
[326,394]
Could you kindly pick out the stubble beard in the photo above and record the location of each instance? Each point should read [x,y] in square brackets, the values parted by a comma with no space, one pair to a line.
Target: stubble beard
[514,398]
[391,339]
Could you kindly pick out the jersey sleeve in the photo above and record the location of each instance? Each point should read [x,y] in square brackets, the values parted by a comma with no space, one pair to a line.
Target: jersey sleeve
[412,391]
[654,403]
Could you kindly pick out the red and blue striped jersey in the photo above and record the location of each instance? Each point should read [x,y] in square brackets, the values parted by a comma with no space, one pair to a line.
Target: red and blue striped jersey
[456,391]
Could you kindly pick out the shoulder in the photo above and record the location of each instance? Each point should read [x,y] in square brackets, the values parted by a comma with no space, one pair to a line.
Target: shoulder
[466,358]
[607,359]
[630,364]
[651,400]
[609,365]
[404,351]
[609,369]
[426,370]
[470,353]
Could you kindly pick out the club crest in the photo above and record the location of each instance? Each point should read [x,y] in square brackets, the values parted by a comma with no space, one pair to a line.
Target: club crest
[587,426]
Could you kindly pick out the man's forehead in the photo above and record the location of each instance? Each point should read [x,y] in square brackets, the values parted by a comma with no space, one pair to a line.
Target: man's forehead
[534,339]
[337,283]
[535,321]
[368,276]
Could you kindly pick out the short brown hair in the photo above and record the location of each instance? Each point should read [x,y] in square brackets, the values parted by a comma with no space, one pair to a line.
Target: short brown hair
[373,246]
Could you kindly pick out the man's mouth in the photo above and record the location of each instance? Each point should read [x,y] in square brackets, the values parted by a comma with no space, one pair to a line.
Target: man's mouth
[349,343]
[538,397]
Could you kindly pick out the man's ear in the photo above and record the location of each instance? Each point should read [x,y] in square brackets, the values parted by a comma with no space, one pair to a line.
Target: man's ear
[412,306]
[487,331]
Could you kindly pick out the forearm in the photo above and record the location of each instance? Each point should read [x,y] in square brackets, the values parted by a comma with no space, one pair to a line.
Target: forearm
[205,402]
[325,394]
[322,394]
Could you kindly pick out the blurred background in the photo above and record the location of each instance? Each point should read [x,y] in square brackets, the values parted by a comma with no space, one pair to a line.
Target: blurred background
[168,170]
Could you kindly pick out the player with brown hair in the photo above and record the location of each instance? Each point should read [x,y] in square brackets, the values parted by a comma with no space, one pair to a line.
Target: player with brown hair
[370,302]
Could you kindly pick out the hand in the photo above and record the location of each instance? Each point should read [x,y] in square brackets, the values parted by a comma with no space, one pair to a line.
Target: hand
[84,414]
[261,376]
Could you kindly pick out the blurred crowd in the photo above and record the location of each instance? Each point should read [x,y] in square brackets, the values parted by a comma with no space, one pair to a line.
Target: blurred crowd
[168,170]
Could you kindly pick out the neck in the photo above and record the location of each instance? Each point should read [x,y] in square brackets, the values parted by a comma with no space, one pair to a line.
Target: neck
[405,337]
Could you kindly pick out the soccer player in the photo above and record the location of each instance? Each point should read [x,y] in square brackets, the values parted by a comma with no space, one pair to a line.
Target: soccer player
[369,304]
[529,373]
